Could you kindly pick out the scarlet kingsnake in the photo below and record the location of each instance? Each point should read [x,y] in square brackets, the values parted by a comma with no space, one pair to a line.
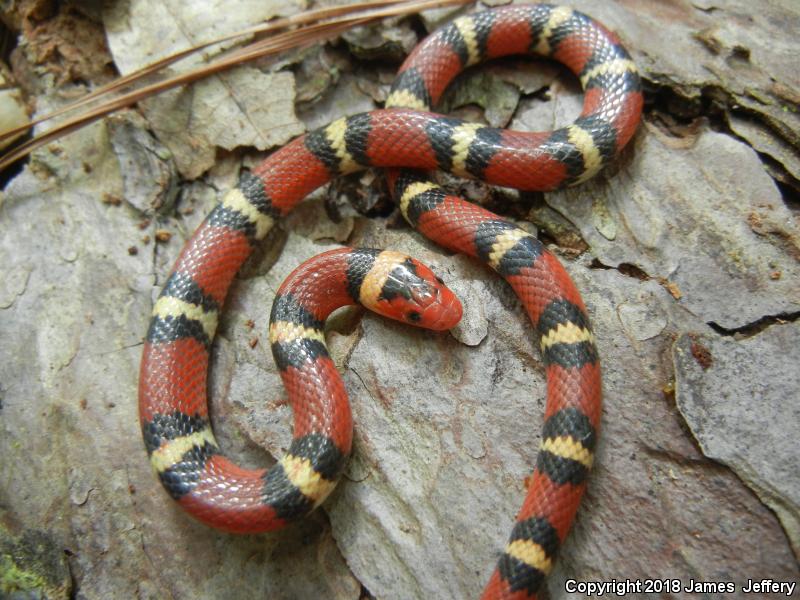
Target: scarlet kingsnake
[172,392]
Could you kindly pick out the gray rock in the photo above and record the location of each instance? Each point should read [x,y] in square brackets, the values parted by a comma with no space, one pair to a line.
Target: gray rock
[686,229]
[346,98]
[498,97]
[242,107]
[763,140]
[148,172]
[716,230]
[667,197]
[740,400]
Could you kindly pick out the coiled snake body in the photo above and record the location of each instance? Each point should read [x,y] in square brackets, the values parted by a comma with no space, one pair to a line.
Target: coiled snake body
[172,392]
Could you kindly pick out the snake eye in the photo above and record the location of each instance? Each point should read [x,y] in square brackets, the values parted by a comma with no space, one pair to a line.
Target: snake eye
[413,316]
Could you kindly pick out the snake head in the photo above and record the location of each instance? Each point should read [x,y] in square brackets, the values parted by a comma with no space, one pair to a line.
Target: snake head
[411,293]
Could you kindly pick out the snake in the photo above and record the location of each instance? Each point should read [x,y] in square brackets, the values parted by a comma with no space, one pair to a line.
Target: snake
[409,140]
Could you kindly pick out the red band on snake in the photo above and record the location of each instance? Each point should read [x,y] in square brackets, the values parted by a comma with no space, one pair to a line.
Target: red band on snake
[172,392]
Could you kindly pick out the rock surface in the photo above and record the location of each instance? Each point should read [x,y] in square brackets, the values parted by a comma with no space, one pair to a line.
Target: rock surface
[242,107]
[717,380]
[686,252]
